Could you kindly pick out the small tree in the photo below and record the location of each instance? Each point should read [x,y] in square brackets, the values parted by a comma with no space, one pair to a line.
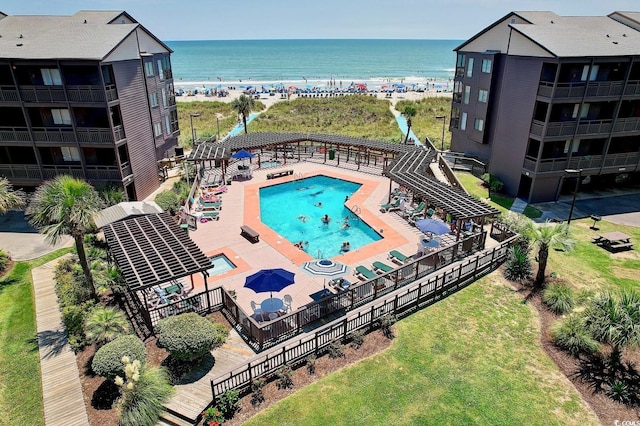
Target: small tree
[9,197]
[545,237]
[107,361]
[105,324]
[244,104]
[189,337]
[409,112]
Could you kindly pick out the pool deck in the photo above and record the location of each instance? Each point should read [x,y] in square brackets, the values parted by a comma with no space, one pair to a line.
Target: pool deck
[241,207]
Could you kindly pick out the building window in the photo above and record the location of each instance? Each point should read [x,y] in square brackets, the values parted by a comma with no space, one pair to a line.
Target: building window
[157,129]
[70,153]
[148,69]
[486,66]
[467,94]
[160,70]
[153,99]
[483,95]
[51,77]
[61,117]
[463,121]
[470,68]
[165,103]
[461,60]
[478,124]
[167,124]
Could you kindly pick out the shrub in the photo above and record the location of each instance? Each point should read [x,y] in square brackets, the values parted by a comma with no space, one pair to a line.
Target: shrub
[386,324]
[105,324]
[212,416]
[311,364]
[573,336]
[4,260]
[492,182]
[518,267]
[70,286]
[284,374]
[189,336]
[558,297]
[182,189]
[257,397]
[74,318]
[168,201]
[229,403]
[619,391]
[107,361]
[143,392]
[357,339]
[335,349]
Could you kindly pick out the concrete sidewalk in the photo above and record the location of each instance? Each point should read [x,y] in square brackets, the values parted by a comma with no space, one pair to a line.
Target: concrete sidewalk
[22,241]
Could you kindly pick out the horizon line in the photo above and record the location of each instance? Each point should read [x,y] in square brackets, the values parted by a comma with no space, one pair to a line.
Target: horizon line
[324,39]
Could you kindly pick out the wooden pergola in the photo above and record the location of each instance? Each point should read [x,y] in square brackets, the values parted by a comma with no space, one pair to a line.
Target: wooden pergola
[151,250]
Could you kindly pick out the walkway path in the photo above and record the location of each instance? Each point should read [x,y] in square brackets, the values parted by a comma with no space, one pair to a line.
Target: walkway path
[61,389]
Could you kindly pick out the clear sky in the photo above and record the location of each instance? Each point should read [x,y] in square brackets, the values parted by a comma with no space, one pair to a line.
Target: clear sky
[308,19]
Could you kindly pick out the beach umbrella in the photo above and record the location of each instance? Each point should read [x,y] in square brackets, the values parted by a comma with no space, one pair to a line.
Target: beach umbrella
[432,226]
[325,268]
[400,86]
[269,280]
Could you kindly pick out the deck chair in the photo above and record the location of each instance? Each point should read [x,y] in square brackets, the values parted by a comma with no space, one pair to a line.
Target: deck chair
[257,311]
[381,267]
[430,213]
[416,211]
[363,273]
[396,256]
[203,205]
[211,215]
[390,206]
[219,190]
[288,300]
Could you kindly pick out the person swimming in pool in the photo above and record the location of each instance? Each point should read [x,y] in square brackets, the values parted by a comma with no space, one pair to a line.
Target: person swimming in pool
[345,222]
[345,246]
[326,219]
[302,218]
[318,204]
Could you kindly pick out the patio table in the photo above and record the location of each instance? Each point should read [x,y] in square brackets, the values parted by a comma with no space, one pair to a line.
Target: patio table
[272,304]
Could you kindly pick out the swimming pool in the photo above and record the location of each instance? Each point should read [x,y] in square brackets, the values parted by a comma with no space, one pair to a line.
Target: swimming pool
[295,211]
[220,264]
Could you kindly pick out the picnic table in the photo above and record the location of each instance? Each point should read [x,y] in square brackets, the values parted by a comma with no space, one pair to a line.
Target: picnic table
[614,240]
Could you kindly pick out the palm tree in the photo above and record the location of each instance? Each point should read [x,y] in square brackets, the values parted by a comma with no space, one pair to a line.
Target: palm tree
[544,237]
[105,324]
[409,112]
[244,104]
[65,206]
[614,319]
[9,198]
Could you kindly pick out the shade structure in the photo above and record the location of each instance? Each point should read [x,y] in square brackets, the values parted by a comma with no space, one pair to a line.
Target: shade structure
[242,154]
[269,280]
[432,226]
[325,268]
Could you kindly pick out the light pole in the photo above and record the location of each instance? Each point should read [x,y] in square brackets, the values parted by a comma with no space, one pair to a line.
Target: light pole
[218,124]
[575,191]
[193,131]
[444,120]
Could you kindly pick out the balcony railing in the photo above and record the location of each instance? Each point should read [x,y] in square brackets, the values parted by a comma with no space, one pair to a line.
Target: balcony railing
[118,133]
[112,92]
[126,169]
[632,88]
[569,128]
[103,173]
[76,170]
[626,159]
[49,172]
[8,94]
[86,93]
[631,124]
[630,159]
[53,134]
[577,90]
[93,135]
[20,171]
[43,94]
[14,134]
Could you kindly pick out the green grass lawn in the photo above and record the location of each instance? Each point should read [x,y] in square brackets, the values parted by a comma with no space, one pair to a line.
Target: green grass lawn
[20,384]
[473,358]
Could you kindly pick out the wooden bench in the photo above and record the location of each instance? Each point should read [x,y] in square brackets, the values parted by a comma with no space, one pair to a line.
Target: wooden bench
[281,173]
[249,234]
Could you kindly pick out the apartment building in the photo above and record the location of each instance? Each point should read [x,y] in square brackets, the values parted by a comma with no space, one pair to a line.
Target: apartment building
[547,100]
[90,95]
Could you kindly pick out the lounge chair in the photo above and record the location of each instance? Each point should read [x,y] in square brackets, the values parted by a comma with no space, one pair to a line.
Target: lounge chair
[210,215]
[219,190]
[430,213]
[363,273]
[396,256]
[203,205]
[414,212]
[381,267]
[390,206]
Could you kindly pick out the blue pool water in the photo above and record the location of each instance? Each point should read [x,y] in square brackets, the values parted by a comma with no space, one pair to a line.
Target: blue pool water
[282,205]
[221,264]
[272,163]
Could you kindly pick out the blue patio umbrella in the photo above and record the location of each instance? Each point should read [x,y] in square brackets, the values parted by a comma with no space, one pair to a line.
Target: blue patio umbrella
[432,226]
[242,154]
[269,280]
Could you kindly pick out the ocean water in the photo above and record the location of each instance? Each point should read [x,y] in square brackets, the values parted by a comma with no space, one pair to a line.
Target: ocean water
[336,63]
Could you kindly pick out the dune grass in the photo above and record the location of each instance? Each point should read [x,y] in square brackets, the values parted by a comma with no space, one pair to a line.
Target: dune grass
[20,383]
[473,358]
[425,124]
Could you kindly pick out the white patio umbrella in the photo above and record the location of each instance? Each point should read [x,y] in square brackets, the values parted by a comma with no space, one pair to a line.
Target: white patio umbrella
[325,268]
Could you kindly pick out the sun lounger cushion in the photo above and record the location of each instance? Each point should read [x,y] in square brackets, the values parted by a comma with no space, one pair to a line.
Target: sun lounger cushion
[382,267]
[363,271]
[396,256]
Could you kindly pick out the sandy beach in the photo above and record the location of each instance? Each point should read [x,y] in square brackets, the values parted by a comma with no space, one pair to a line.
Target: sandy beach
[269,100]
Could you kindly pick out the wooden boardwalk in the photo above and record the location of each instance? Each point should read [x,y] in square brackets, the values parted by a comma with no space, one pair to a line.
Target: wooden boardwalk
[61,389]
[194,393]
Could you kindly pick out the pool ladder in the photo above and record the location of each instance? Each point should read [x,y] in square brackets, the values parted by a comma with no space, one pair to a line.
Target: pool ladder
[298,176]
[355,211]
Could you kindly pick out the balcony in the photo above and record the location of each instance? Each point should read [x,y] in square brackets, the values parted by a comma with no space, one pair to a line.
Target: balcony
[76,170]
[118,132]
[49,172]
[86,94]
[631,124]
[112,93]
[94,135]
[54,134]
[43,94]
[632,88]
[630,160]
[20,171]
[579,89]
[14,134]
[626,159]
[570,128]
[126,169]
[103,173]
[8,94]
